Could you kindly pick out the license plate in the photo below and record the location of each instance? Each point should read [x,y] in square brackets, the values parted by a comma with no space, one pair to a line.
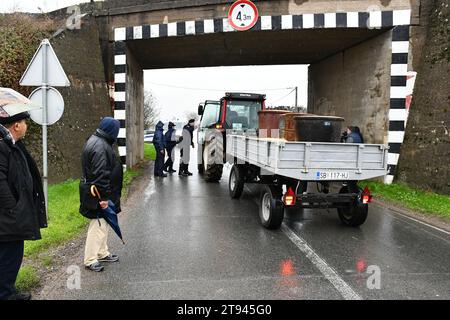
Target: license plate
[332,175]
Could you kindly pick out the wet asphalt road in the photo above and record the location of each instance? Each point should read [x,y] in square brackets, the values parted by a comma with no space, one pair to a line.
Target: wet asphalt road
[186,239]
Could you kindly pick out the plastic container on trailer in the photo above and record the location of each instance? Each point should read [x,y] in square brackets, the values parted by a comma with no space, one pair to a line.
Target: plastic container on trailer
[287,125]
[316,128]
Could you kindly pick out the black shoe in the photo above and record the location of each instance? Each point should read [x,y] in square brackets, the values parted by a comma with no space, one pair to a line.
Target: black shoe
[20,296]
[186,170]
[96,266]
[172,171]
[163,175]
[110,258]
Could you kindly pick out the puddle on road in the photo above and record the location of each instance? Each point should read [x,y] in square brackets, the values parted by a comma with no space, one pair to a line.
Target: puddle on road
[149,190]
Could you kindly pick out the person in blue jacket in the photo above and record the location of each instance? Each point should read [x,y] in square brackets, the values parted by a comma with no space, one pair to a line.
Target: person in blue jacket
[159,143]
[354,135]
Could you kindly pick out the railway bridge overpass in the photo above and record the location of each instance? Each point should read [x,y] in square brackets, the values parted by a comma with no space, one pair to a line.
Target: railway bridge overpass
[360,55]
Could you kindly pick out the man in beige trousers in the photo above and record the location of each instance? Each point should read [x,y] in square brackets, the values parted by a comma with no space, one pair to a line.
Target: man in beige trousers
[101,169]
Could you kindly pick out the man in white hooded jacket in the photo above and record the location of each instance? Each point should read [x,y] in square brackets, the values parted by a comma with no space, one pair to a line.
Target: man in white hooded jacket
[185,154]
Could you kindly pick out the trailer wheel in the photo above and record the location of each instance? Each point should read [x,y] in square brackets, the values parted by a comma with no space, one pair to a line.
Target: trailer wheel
[355,214]
[236,181]
[271,208]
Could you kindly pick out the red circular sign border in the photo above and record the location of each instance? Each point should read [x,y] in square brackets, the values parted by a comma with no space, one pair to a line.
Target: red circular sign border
[234,5]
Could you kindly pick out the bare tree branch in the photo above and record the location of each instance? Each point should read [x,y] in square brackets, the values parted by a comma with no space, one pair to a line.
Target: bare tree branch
[191,115]
[151,110]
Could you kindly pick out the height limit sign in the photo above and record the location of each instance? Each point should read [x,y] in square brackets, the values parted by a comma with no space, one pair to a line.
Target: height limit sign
[243,15]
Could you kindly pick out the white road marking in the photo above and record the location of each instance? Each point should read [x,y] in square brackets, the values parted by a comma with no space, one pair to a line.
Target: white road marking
[344,289]
[418,221]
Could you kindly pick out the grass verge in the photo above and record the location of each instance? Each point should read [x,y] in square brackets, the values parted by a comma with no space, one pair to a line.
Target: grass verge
[65,222]
[27,278]
[149,152]
[423,201]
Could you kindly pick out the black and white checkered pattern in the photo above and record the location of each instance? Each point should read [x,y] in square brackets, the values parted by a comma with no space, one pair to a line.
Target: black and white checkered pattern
[120,69]
[399,20]
[397,111]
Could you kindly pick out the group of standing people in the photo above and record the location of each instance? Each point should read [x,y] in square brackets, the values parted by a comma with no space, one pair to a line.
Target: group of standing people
[166,143]
[22,199]
[22,196]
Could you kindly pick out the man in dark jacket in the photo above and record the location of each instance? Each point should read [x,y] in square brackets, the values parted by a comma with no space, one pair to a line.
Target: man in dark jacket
[22,202]
[158,142]
[171,141]
[101,167]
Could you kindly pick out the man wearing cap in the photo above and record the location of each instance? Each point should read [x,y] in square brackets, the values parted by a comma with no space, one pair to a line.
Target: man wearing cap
[101,168]
[22,209]
[171,140]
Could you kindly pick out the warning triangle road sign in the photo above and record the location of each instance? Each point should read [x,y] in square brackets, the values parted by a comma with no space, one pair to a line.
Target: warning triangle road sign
[34,74]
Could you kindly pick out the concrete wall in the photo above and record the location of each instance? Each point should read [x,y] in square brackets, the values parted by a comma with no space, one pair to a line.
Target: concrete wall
[355,84]
[424,160]
[134,110]
[86,100]
[266,7]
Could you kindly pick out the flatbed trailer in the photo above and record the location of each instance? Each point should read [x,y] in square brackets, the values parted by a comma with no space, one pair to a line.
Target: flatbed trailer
[285,168]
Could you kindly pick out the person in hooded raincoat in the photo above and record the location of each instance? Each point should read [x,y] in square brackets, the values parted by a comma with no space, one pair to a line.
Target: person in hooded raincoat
[158,142]
[101,167]
[185,153]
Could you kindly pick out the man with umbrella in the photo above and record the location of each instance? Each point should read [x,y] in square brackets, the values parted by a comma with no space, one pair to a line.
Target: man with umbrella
[102,177]
[21,192]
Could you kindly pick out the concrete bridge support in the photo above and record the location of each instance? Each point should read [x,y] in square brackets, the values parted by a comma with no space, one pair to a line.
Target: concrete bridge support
[366,84]
[129,104]
[354,84]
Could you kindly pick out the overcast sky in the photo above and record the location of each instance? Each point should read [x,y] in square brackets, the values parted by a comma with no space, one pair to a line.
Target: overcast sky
[179,91]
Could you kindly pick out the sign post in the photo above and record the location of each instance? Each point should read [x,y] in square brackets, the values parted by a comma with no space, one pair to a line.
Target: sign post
[44,126]
[45,71]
